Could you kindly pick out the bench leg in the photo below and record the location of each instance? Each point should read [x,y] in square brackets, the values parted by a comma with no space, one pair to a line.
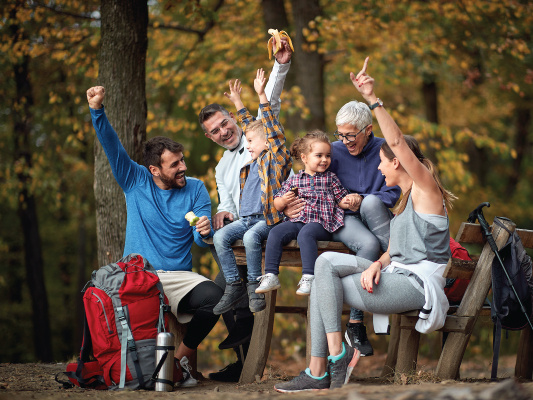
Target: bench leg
[254,364]
[394,344]
[452,355]
[524,357]
[407,352]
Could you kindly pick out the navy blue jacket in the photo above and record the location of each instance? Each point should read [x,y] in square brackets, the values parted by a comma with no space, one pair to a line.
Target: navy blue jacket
[360,174]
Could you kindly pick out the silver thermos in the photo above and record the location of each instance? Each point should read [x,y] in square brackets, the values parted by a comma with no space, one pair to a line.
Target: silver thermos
[165,378]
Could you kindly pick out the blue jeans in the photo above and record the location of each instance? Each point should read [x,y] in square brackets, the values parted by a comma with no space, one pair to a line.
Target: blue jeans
[307,236]
[253,230]
[366,233]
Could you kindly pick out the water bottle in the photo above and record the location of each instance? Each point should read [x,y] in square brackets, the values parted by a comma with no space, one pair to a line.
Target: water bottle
[165,345]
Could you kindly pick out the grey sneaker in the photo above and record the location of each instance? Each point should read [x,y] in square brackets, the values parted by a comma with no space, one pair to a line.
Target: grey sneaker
[341,369]
[305,285]
[303,382]
[256,300]
[355,336]
[233,294]
[188,380]
[268,282]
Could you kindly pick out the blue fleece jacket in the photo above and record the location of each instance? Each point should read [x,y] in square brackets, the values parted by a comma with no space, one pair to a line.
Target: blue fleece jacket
[360,174]
[156,227]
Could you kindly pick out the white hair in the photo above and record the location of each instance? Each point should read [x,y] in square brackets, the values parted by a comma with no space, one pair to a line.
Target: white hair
[354,113]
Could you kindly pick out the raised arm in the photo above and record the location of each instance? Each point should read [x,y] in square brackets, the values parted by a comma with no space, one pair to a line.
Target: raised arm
[421,176]
[235,94]
[259,86]
[276,80]
[124,169]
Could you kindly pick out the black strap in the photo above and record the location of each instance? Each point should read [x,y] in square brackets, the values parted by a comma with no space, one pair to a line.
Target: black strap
[159,366]
[497,336]
[93,382]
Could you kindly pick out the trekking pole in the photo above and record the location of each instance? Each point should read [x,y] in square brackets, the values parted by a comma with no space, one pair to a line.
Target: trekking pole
[478,213]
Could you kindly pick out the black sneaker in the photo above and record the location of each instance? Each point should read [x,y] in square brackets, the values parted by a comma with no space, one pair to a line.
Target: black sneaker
[340,370]
[303,382]
[256,301]
[230,373]
[239,334]
[356,337]
[233,293]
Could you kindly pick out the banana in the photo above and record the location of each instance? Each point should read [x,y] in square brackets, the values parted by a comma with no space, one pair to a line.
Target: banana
[277,35]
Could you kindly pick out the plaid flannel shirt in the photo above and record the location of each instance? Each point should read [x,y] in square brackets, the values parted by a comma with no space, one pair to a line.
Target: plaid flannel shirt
[274,163]
[322,192]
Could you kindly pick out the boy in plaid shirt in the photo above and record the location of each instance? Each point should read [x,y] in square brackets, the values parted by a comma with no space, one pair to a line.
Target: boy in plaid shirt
[260,179]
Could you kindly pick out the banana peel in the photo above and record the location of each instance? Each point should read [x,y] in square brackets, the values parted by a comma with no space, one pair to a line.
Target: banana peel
[277,35]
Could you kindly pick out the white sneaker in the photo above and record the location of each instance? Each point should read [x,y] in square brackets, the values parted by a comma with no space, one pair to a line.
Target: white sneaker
[305,285]
[268,282]
[188,380]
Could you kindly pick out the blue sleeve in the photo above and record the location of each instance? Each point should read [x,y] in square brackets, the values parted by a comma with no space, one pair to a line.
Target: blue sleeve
[202,206]
[125,170]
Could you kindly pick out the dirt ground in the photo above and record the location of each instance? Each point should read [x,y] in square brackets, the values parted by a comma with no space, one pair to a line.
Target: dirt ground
[36,381]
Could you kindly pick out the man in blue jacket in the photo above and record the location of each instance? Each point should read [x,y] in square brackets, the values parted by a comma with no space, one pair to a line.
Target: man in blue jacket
[158,195]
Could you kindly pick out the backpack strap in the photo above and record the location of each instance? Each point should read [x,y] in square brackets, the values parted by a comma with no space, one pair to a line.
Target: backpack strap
[497,336]
[127,343]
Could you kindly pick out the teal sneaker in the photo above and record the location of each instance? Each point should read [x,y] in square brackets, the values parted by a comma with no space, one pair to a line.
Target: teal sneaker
[303,382]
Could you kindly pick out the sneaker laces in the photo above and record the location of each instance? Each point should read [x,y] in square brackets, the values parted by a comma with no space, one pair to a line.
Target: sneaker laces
[305,280]
[266,278]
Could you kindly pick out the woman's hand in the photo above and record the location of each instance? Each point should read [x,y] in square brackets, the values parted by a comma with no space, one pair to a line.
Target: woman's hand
[371,276]
[351,202]
[364,83]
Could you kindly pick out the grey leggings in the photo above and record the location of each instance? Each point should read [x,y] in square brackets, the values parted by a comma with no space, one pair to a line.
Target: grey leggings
[366,233]
[338,281]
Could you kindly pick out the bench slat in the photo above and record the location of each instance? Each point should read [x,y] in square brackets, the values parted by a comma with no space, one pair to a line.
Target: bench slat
[460,269]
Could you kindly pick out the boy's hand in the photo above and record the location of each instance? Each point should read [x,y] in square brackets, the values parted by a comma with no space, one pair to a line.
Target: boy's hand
[235,92]
[284,54]
[260,82]
[203,226]
[95,97]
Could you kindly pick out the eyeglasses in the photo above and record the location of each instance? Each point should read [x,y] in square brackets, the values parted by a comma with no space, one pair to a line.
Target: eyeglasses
[223,124]
[348,136]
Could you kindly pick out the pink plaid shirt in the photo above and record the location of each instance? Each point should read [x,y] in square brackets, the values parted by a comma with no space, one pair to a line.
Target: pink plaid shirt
[322,193]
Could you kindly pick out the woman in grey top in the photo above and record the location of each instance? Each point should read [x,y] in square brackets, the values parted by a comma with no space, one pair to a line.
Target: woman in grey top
[406,277]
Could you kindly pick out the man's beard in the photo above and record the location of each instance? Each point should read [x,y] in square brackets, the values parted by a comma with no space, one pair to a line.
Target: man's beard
[170,182]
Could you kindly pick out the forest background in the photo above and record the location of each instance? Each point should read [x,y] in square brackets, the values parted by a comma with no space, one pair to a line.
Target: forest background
[456,75]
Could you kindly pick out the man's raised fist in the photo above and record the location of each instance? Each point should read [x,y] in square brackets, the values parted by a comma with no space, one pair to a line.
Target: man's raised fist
[95,97]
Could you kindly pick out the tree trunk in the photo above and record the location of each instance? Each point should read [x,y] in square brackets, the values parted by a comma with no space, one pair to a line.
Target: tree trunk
[27,210]
[523,123]
[122,73]
[429,93]
[309,64]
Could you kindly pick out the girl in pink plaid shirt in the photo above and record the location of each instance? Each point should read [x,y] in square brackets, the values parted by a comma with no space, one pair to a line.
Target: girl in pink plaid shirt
[325,198]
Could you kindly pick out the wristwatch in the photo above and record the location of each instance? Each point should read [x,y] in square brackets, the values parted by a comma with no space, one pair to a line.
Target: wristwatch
[378,103]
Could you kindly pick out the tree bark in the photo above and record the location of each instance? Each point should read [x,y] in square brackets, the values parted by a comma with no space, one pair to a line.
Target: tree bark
[27,209]
[522,145]
[309,64]
[123,74]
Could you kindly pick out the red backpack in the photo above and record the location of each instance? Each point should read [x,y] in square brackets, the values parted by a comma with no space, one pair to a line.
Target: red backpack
[124,311]
[456,288]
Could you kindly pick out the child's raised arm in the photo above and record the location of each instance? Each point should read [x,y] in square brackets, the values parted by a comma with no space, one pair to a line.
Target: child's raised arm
[259,86]
[235,94]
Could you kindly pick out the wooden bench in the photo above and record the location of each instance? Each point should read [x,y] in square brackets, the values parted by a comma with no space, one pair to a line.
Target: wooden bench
[403,346]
